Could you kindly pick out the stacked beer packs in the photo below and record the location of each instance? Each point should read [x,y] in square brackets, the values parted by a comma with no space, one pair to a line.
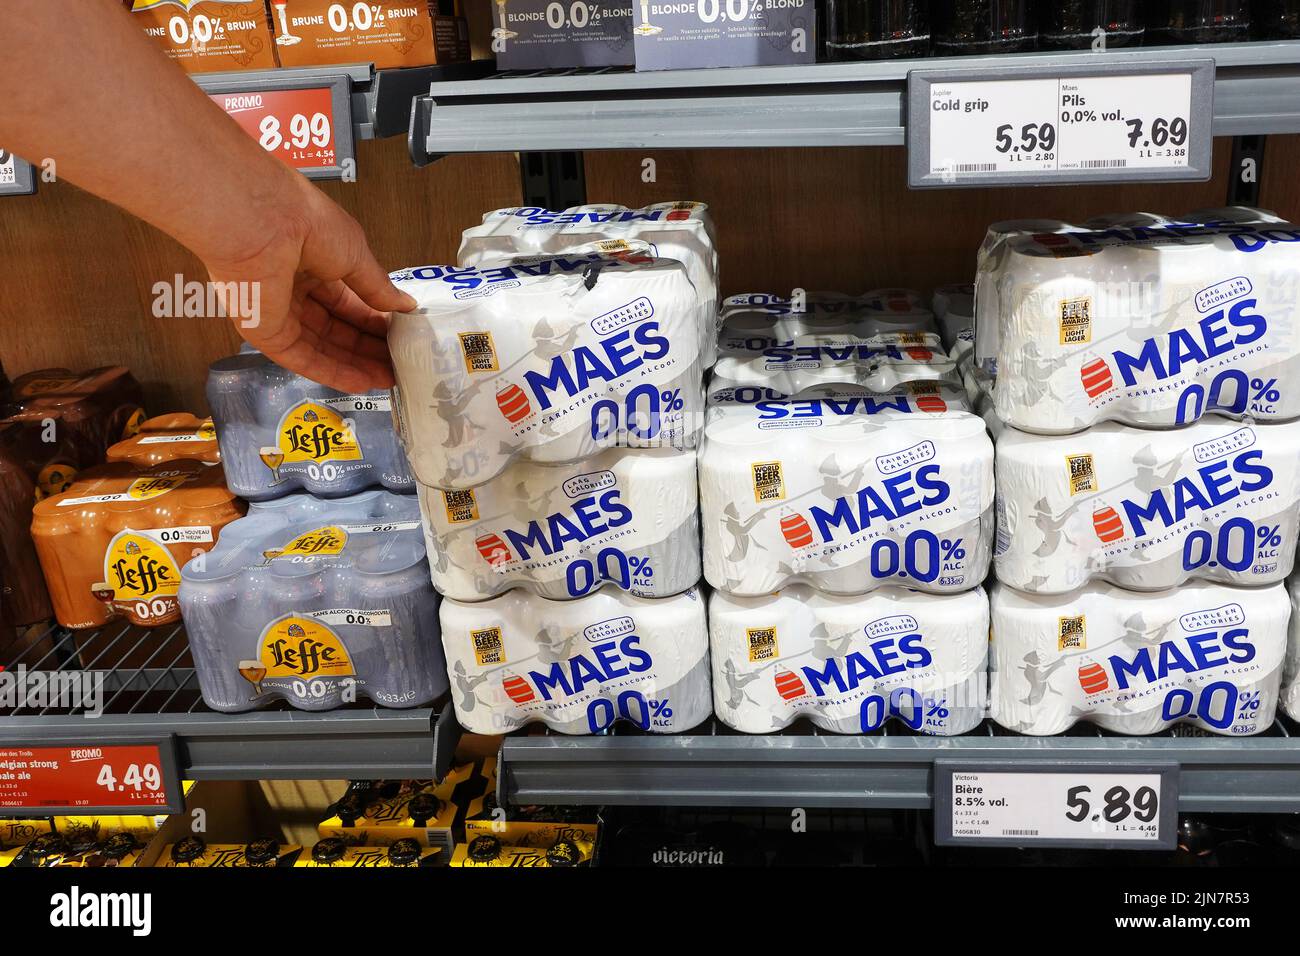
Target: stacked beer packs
[550,399]
[1148,469]
[847,501]
[320,596]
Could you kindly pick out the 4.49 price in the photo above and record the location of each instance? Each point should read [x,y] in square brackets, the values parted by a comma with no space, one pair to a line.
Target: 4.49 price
[136,778]
[1118,804]
[1033,137]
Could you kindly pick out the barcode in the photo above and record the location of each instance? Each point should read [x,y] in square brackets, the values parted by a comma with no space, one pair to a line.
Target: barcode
[977,167]
[1020,833]
[1103,163]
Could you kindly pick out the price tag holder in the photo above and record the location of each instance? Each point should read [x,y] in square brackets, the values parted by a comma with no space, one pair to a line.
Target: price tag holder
[16,175]
[1056,804]
[1130,121]
[304,120]
[125,777]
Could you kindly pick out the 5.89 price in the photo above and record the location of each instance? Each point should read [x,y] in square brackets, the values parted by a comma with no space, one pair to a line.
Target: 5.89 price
[1118,804]
[304,131]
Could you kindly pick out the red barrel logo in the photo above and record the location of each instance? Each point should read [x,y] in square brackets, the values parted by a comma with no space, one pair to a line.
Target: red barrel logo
[798,533]
[931,403]
[493,549]
[517,689]
[1093,679]
[789,685]
[677,215]
[1108,524]
[920,354]
[514,404]
[1096,378]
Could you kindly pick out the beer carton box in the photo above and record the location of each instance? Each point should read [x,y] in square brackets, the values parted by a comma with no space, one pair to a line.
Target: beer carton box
[490,851]
[19,831]
[210,36]
[387,33]
[332,852]
[196,853]
[387,817]
[535,35]
[699,34]
[527,827]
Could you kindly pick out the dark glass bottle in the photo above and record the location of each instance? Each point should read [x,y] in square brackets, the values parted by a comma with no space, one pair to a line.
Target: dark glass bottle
[1276,19]
[960,27]
[1070,24]
[1197,21]
[876,29]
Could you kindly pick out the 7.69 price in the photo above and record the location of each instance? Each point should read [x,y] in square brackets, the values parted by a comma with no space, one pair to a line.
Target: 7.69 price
[1118,804]
[304,131]
[1163,132]
[1034,137]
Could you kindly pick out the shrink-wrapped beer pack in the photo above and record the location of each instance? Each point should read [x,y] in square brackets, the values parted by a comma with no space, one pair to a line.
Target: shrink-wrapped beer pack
[1217,500]
[578,666]
[1138,663]
[113,543]
[626,519]
[550,360]
[845,491]
[849,664]
[280,432]
[682,231]
[1150,325]
[317,602]
[758,320]
[167,438]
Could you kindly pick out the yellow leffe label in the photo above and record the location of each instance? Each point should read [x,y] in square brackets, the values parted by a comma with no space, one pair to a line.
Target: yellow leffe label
[142,489]
[207,431]
[301,647]
[319,542]
[139,568]
[311,432]
[132,426]
[55,478]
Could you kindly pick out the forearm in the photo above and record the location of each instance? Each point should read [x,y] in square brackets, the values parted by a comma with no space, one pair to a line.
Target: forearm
[93,86]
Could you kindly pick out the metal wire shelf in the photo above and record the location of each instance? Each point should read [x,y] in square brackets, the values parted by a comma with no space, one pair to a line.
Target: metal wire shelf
[126,682]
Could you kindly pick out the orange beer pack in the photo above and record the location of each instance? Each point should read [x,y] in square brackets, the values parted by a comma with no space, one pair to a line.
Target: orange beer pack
[169,438]
[387,33]
[209,36]
[114,542]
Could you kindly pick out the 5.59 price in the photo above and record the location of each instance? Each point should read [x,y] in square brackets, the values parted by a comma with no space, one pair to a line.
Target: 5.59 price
[1118,804]
[1033,137]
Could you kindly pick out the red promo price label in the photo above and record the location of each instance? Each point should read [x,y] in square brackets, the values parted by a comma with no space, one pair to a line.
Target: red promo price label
[296,125]
[126,776]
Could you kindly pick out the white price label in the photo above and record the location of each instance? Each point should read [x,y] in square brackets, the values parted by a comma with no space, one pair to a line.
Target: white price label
[1059,807]
[358,403]
[1059,128]
[356,617]
[8,168]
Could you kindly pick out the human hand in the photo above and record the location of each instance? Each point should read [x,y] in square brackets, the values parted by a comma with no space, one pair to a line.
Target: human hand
[312,298]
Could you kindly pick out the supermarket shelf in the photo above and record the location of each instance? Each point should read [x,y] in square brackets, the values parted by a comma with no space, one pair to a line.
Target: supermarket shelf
[149,689]
[1257,91]
[714,766]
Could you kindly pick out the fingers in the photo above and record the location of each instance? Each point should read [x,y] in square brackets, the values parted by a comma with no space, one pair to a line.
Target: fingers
[336,248]
[337,299]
